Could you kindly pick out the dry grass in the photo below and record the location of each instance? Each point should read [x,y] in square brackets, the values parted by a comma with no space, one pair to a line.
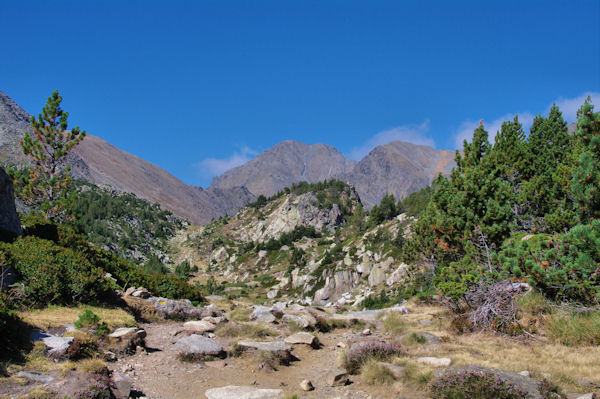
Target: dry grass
[240,314]
[92,366]
[574,329]
[57,316]
[374,373]
[564,364]
[394,324]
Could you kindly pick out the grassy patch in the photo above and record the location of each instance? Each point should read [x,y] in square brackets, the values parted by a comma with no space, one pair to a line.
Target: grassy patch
[240,314]
[394,324]
[574,329]
[374,373]
[57,316]
[534,303]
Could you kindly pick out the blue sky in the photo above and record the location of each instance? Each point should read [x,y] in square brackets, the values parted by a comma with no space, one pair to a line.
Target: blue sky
[199,86]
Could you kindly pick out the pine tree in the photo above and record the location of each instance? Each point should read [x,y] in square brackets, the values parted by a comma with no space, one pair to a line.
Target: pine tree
[586,179]
[48,186]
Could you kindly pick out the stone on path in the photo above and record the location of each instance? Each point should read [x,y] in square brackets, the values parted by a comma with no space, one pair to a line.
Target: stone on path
[302,338]
[262,314]
[435,361]
[120,385]
[337,378]
[197,345]
[243,392]
[306,385]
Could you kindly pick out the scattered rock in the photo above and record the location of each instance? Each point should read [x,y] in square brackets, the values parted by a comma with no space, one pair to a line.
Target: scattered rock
[337,378]
[302,338]
[272,294]
[44,379]
[200,326]
[590,395]
[366,332]
[525,373]
[306,385]
[198,346]
[435,361]
[243,392]
[120,385]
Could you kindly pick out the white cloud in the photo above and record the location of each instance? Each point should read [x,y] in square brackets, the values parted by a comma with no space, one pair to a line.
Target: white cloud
[416,134]
[465,130]
[570,106]
[217,166]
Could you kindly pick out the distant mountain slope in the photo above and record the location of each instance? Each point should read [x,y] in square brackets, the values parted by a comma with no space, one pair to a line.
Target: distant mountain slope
[286,163]
[99,162]
[399,168]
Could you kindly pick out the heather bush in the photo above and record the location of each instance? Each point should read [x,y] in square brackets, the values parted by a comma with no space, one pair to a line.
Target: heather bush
[361,353]
[474,384]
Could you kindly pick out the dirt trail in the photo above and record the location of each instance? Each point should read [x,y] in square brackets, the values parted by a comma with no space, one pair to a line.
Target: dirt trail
[160,375]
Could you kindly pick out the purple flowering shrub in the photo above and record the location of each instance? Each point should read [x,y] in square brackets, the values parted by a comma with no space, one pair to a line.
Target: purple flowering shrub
[360,354]
[475,384]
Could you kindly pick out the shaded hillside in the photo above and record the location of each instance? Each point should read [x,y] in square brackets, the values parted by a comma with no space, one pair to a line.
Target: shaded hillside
[99,162]
[286,163]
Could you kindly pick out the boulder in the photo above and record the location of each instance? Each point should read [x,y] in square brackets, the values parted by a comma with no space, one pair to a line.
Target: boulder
[272,294]
[302,338]
[120,385]
[200,326]
[272,346]
[198,346]
[180,310]
[9,219]
[57,346]
[397,276]
[126,340]
[243,392]
[262,314]
[337,378]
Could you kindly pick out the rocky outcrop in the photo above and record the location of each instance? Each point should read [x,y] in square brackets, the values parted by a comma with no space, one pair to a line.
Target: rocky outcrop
[9,220]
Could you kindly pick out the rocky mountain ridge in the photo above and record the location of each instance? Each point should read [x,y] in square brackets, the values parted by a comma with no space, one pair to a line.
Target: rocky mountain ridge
[101,163]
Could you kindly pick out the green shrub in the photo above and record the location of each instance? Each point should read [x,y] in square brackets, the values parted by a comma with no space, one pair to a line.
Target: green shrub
[54,274]
[562,266]
[89,320]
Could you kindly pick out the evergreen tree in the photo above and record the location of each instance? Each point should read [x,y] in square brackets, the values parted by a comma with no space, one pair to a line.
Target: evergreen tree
[48,186]
[586,179]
